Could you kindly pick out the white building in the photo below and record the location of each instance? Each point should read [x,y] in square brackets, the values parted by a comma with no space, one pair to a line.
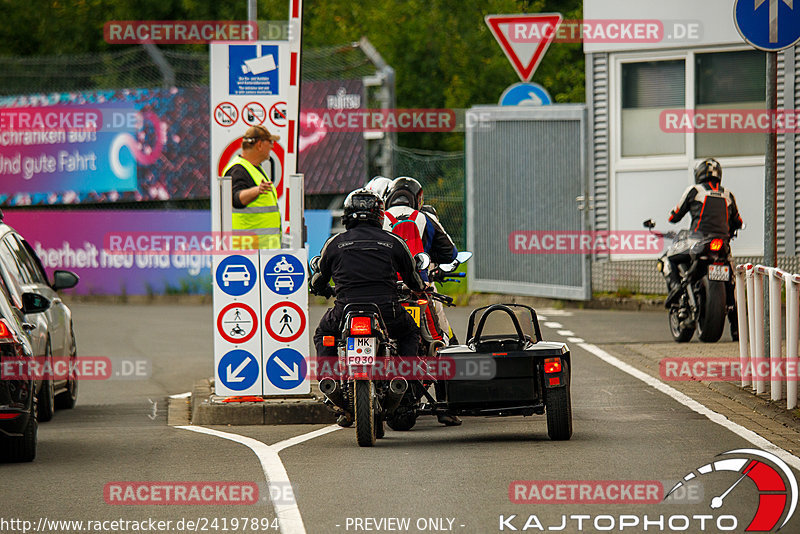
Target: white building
[638,171]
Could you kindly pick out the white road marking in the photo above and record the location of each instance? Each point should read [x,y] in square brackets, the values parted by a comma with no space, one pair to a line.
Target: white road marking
[288,514]
[692,404]
[575,339]
[553,311]
[553,325]
[565,333]
[181,395]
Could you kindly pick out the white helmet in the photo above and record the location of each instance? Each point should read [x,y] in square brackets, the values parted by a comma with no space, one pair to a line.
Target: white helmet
[378,185]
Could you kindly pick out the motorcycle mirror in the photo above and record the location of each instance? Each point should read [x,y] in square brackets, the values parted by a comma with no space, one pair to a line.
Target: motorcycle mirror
[422,260]
[463,256]
[649,223]
[314,264]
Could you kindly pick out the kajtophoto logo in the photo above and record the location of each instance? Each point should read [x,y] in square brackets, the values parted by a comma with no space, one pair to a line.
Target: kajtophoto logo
[776,484]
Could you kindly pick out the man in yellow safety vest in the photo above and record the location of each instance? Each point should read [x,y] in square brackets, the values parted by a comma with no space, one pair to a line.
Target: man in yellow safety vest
[255,203]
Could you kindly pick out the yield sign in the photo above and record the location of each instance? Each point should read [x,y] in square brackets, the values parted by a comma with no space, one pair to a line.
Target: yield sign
[524,38]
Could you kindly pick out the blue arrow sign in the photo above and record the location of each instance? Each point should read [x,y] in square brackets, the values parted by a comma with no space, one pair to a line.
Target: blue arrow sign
[768,25]
[238,370]
[236,275]
[286,368]
[284,274]
[525,94]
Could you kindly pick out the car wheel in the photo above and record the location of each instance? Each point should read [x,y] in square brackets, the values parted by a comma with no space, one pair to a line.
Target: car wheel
[47,394]
[67,399]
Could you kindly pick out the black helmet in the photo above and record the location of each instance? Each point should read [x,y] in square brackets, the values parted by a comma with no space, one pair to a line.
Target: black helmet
[362,205]
[708,170]
[404,191]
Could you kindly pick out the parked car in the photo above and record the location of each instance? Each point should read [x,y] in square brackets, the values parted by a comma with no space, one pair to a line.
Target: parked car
[18,404]
[52,335]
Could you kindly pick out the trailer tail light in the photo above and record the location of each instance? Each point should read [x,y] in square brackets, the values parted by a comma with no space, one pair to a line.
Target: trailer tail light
[9,415]
[328,341]
[552,365]
[716,244]
[554,381]
[6,334]
[361,326]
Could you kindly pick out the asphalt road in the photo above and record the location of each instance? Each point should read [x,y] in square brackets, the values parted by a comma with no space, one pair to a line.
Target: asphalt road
[434,478]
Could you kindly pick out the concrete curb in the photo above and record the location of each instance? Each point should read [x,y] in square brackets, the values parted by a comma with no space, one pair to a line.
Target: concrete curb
[208,409]
[761,404]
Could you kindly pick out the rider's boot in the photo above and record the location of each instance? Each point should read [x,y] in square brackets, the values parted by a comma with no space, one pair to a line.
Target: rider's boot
[674,285]
[447,419]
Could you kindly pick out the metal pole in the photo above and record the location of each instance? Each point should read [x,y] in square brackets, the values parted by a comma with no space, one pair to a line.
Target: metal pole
[252,15]
[771,178]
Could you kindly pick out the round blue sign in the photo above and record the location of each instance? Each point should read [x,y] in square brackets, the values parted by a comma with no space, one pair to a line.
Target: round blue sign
[236,275]
[525,94]
[286,368]
[238,370]
[769,25]
[284,274]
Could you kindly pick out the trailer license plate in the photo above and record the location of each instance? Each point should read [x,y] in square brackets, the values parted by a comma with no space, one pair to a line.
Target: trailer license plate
[360,351]
[720,273]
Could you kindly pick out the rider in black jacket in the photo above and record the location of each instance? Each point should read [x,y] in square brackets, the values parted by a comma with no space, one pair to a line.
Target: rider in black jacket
[714,213]
[363,262]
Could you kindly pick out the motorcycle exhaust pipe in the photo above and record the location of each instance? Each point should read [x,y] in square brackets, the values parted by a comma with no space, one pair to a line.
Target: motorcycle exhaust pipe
[397,388]
[330,388]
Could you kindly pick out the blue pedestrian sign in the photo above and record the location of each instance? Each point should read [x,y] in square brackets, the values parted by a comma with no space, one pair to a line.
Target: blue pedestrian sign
[238,370]
[286,368]
[284,274]
[236,275]
[525,94]
[769,25]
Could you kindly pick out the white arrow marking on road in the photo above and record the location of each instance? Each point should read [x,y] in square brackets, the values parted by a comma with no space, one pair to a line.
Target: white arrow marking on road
[234,377]
[773,16]
[293,374]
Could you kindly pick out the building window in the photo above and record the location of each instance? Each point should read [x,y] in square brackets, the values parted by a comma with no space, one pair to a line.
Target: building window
[648,88]
[730,81]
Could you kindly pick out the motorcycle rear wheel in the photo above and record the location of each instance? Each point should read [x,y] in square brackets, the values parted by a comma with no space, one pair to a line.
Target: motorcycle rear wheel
[712,307]
[365,413]
[679,334]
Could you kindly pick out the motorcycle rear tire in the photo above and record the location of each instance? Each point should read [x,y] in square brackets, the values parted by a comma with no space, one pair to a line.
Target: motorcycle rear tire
[365,413]
[679,334]
[711,322]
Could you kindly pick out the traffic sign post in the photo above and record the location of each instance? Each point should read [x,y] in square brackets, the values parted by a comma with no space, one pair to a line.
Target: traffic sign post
[284,336]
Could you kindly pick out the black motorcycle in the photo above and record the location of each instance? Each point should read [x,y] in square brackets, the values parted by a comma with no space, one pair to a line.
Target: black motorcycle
[701,303]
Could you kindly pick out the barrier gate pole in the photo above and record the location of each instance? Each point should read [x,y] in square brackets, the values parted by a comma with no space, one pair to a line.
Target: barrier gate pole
[741,312]
[775,387]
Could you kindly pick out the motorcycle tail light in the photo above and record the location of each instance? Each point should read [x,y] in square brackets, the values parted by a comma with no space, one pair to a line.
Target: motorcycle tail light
[360,376]
[328,341]
[361,326]
[422,302]
[716,244]
[552,365]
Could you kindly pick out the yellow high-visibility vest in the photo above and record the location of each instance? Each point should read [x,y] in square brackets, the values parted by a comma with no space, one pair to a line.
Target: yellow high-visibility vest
[260,218]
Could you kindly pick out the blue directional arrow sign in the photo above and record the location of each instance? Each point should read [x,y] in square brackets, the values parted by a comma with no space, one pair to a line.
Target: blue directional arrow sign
[286,368]
[284,274]
[768,25]
[238,370]
[525,94]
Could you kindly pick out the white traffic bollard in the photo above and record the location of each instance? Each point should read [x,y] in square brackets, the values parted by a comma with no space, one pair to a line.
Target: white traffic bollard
[751,319]
[792,333]
[775,363]
[758,317]
[741,311]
